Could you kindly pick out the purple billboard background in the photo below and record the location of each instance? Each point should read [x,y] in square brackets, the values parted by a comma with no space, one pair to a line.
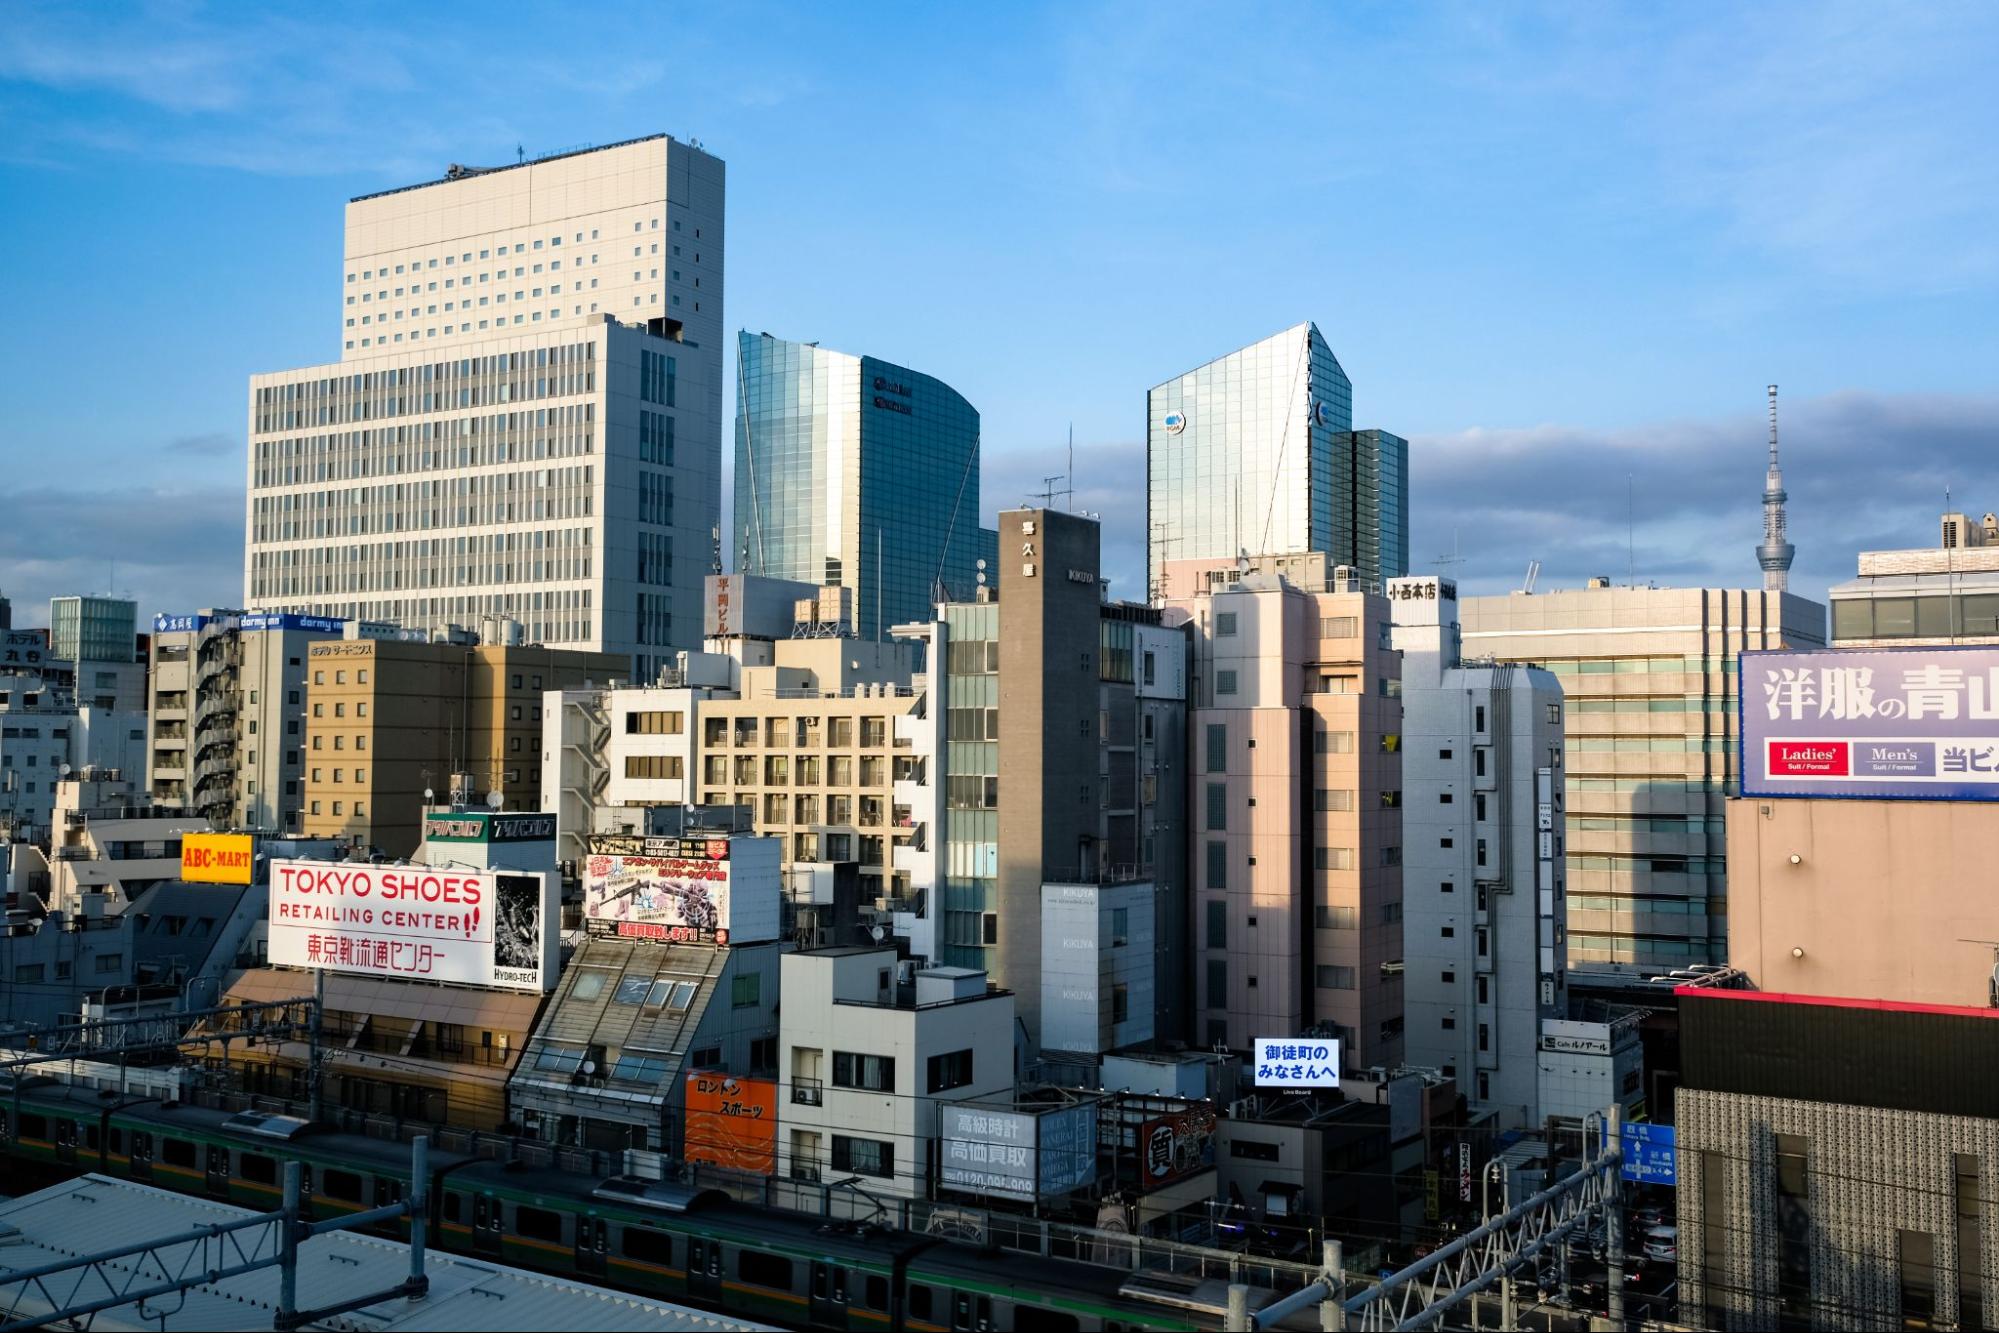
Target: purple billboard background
[1881,724]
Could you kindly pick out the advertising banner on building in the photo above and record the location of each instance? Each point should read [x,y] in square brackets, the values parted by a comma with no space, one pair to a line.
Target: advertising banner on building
[487,827]
[417,923]
[676,898]
[1877,724]
[1297,1062]
[1176,1145]
[732,1122]
[217,858]
[1016,1154]
[24,648]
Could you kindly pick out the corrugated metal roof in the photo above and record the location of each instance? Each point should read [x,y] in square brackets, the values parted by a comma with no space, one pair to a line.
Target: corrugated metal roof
[94,1213]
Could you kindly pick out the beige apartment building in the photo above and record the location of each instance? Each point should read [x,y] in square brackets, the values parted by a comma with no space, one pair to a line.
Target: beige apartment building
[387,721]
[1295,820]
[801,731]
[1649,675]
[810,747]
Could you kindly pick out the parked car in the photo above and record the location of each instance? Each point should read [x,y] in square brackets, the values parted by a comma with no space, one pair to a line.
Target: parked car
[1662,1244]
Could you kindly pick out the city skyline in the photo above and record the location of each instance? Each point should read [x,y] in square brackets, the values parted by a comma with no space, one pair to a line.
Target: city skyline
[1727,236]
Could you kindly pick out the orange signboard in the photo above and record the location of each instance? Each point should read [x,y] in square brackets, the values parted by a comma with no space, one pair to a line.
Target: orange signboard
[217,858]
[732,1122]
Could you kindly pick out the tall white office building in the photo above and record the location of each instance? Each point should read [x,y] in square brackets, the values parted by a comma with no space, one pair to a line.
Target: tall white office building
[526,417]
[1483,938]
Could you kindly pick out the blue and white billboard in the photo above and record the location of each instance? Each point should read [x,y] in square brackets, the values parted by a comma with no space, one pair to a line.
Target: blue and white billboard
[1649,1154]
[1297,1062]
[1890,723]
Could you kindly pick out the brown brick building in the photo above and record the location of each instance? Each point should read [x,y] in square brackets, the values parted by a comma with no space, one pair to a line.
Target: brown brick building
[386,720]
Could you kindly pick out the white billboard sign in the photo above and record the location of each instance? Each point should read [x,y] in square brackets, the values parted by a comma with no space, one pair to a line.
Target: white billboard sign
[1297,1062]
[1014,1155]
[415,923]
[659,897]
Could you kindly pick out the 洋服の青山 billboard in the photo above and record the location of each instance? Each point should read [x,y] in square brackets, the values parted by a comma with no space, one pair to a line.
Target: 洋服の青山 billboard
[417,923]
[1891,723]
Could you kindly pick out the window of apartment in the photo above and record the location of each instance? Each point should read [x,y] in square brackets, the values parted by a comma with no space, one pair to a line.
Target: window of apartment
[1218,983]
[654,766]
[1218,864]
[1218,923]
[1225,682]
[948,1071]
[655,723]
[1218,747]
[1794,1232]
[1225,624]
[1332,858]
[864,1157]
[1916,1255]
[1325,741]
[746,990]
[1339,627]
[871,1073]
[1970,1241]
[1218,807]
[1336,917]
[1327,799]
[1336,978]
[1120,1003]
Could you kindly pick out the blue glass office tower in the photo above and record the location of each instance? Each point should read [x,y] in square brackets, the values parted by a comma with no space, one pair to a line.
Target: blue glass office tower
[855,472]
[1255,454]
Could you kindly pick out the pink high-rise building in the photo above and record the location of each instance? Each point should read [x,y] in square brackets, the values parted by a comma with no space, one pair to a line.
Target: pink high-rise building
[1295,821]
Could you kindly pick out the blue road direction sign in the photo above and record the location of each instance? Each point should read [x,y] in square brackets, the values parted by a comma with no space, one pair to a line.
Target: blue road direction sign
[1648,1154]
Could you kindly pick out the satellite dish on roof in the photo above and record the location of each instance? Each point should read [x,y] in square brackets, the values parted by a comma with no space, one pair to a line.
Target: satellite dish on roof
[878,933]
[65,770]
[495,800]
[429,796]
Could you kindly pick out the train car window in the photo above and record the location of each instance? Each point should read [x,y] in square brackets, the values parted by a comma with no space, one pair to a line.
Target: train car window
[342,1185]
[90,1138]
[451,1208]
[37,1127]
[538,1223]
[176,1152]
[1052,1320]
[257,1169]
[648,1246]
[877,1293]
[117,1138]
[919,1302]
[766,1270]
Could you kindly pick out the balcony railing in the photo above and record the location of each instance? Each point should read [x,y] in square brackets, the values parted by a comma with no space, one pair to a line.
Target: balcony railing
[807,1091]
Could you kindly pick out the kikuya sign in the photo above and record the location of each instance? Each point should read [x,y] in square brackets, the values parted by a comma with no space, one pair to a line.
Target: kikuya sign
[418,923]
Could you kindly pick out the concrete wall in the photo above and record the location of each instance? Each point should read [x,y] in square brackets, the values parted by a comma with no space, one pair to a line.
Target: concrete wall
[1883,898]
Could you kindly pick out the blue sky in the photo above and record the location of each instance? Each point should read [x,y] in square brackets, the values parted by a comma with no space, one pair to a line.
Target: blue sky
[1561,248]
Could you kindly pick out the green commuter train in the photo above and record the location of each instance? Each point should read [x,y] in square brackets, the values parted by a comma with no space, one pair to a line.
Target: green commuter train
[695,1247]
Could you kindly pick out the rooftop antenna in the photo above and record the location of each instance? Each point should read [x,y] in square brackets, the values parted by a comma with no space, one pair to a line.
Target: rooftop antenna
[1444,562]
[1630,531]
[520,154]
[1069,493]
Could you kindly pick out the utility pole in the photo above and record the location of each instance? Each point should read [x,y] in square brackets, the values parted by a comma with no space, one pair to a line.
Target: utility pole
[1613,1207]
[314,1098]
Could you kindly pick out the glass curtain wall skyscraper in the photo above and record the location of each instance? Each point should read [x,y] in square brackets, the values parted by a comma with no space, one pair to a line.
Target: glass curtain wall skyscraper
[852,472]
[1255,453]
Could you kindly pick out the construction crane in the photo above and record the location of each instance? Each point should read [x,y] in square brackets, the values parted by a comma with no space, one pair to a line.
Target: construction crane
[1533,575]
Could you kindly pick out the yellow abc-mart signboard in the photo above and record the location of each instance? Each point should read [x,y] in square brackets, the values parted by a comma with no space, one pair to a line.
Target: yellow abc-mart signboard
[217,858]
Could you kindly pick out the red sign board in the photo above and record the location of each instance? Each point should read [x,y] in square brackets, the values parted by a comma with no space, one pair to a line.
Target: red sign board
[1810,759]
